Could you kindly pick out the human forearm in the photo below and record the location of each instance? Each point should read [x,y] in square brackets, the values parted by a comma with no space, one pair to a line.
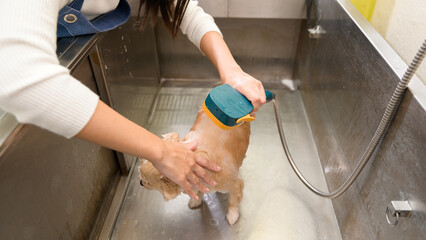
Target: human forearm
[110,129]
[196,23]
[204,33]
[215,48]
[175,160]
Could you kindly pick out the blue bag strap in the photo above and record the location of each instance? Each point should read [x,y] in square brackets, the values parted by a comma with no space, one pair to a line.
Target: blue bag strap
[76,4]
[71,22]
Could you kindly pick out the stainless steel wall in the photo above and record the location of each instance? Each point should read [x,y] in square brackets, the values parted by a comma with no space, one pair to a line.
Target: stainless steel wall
[346,85]
[265,48]
[129,55]
[51,187]
[130,63]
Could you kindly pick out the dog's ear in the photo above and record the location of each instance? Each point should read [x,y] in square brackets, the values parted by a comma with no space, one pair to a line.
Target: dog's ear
[171,137]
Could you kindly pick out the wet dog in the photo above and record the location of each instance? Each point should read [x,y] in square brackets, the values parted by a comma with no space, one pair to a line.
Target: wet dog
[226,148]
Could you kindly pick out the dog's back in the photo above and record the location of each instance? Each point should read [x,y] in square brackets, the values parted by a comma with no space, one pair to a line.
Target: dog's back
[226,148]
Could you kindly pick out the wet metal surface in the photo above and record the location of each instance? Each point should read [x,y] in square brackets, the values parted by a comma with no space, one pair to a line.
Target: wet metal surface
[346,84]
[52,187]
[264,48]
[275,204]
[134,101]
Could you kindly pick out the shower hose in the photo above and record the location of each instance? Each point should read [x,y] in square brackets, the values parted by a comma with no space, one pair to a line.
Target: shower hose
[381,130]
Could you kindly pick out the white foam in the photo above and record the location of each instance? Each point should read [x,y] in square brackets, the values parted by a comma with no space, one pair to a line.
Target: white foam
[290,84]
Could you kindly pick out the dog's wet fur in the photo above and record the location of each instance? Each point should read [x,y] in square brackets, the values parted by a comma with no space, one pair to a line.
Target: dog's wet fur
[226,148]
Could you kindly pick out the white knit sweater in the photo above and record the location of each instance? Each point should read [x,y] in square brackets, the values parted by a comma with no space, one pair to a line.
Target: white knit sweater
[33,86]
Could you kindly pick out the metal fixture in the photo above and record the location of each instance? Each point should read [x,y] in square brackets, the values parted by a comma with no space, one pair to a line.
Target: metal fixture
[313,12]
[378,135]
[70,18]
[396,210]
[316,32]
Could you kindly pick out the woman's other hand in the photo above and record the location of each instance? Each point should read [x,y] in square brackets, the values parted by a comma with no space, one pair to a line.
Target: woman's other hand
[180,164]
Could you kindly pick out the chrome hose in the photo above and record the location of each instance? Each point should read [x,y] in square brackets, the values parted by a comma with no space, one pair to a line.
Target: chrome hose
[378,135]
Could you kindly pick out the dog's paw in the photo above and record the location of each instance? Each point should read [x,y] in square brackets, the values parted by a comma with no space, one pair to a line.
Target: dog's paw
[195,203]
[232,215]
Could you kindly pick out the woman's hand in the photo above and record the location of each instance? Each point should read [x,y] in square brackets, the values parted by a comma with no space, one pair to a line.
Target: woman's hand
[247,85]
[175,160]
[213,45]
[180,164]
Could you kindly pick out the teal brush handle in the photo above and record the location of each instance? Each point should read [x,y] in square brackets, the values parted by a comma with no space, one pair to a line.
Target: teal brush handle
[269,95]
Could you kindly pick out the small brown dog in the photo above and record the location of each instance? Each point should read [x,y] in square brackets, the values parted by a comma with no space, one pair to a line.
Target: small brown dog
[226,148]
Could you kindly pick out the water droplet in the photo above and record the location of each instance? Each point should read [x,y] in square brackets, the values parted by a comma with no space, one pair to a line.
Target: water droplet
[214,222]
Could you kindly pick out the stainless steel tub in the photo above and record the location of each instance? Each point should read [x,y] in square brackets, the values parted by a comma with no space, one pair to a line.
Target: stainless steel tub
[344,79]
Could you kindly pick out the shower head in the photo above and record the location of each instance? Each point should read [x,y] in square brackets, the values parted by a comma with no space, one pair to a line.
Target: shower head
[228,108]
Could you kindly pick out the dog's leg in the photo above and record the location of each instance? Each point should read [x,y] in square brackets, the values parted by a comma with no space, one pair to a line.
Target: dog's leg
[235,196]
[196,203]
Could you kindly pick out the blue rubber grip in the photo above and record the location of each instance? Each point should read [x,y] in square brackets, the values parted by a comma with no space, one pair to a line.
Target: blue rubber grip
[269,96]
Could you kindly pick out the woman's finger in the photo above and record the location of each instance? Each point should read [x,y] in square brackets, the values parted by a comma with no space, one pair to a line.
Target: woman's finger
[259,96]
[203,162]
[262,93]
[194,180]
[201,173]
[188,189]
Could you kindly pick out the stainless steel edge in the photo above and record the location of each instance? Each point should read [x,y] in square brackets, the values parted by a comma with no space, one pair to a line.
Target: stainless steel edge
[416,86]
[71,51]
[116,204]
[105,95]
[99,75]
[7,124]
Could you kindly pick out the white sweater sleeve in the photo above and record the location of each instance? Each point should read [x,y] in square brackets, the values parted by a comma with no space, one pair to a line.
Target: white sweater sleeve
[196,23]
[33,85]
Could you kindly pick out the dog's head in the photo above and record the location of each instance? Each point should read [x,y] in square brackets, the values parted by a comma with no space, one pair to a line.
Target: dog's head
[152,179]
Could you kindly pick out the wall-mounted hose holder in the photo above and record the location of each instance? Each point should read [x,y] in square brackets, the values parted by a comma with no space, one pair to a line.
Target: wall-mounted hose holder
[396,210]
